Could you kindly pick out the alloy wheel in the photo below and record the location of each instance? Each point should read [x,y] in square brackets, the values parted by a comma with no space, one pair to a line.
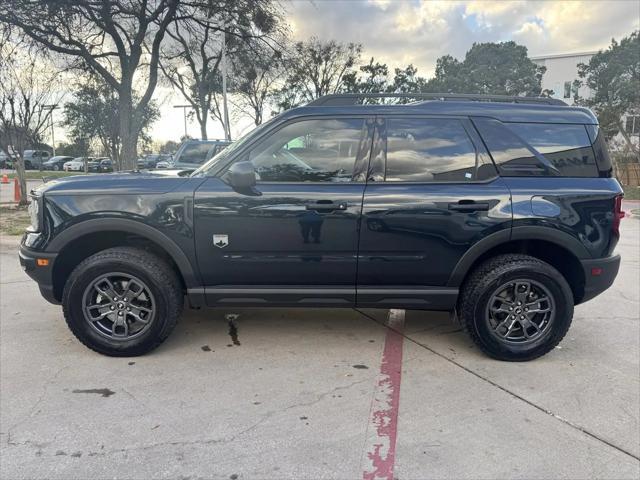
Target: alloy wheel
[520,311]
[119,306]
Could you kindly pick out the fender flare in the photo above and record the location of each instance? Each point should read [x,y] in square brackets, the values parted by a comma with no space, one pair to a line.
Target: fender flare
[529,232]
[128,226]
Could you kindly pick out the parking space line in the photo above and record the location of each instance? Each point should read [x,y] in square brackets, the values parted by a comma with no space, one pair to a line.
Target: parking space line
[567,422]
[382,430]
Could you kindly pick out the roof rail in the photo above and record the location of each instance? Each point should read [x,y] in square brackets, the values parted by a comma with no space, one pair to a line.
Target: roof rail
[340,99]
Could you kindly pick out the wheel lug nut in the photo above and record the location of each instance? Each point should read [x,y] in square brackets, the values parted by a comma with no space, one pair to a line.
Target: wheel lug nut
[124,299]
[112,307]
[119,314]
[128,309]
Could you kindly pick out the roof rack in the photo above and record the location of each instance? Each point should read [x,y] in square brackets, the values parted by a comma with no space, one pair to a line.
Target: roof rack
[341,99]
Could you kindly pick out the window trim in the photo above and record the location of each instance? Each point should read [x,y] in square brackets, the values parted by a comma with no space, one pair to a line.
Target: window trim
[466,124]
[239,156]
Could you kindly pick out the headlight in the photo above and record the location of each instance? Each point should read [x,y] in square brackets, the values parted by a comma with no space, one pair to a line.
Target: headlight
[34,214]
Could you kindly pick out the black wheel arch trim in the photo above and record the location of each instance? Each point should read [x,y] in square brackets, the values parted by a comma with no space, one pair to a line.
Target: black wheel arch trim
[526,232]
[128,226]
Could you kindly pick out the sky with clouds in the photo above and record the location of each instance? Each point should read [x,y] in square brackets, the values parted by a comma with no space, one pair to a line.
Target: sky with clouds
[418,32]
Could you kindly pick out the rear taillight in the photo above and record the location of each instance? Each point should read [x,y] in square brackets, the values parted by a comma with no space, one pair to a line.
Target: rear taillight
[618,214]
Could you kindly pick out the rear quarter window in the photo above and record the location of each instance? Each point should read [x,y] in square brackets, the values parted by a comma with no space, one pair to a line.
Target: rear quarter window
[536,149]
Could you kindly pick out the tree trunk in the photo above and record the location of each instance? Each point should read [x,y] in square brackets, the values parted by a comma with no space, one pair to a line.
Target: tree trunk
[633,148]
[203,127]
[128,131]
[22,181]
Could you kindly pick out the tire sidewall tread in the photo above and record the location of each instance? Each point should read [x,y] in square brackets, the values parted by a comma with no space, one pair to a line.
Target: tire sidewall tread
[494,272]
[151,269]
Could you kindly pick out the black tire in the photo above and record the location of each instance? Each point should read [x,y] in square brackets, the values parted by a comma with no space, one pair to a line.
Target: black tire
[478,291]
[56,167]
[27,165]
[161,280]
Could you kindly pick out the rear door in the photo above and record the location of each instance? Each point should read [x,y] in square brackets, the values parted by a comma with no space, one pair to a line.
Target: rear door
[433,192]
[294,239]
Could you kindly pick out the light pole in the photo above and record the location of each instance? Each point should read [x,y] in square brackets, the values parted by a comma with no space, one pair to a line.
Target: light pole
[184,111]
[227,127]
[51,108]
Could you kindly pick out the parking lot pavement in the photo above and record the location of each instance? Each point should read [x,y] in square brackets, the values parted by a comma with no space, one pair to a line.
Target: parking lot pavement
[299,394]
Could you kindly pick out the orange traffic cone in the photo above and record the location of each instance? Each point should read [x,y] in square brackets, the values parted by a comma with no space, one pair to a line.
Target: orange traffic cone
[17,194]
[5,178]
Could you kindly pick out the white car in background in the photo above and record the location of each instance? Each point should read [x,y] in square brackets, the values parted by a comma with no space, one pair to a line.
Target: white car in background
[165,164]
[75,165]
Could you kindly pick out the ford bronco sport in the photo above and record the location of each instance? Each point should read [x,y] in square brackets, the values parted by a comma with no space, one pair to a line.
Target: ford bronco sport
[502,210]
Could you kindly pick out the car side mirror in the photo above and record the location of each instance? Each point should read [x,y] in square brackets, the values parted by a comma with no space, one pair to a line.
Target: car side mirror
[242,176]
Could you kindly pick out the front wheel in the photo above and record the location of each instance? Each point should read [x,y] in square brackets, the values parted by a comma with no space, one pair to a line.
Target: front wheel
[516,307]
[122,301]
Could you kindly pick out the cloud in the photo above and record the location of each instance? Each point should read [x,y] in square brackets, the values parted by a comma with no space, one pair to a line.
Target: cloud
[400,32]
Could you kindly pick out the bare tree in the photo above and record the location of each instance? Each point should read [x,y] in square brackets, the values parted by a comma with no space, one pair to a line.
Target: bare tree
[108,37]
[257,70]
[316,68]
[27,87]
[192,57]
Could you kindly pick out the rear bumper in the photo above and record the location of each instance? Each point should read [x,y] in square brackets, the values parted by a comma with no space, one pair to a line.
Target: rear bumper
[599,275]
[43,275]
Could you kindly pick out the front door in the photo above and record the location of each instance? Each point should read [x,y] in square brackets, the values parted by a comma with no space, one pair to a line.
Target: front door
[433,193]
[295,238]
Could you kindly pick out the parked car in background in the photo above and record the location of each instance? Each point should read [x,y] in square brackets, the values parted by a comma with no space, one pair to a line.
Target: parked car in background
[106,165]
[193,154]
[76,165]
[33,159]
[5,160]
[150,160]
[100,165]
[56,163]
[165,164]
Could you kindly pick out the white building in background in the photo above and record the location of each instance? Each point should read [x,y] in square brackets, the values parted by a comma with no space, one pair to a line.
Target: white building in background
[561,72]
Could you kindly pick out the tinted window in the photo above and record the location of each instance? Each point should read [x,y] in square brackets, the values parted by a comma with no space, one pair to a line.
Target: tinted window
[521,149]
[195,153]
[322,150]
[430,150]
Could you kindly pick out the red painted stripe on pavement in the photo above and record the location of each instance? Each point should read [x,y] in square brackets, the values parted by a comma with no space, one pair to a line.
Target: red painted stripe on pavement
[383,420]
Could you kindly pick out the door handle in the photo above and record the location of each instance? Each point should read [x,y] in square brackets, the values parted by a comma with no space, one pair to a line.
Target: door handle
[469,206]
[327,206]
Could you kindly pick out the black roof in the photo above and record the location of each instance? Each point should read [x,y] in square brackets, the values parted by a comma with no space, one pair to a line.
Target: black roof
[505,109]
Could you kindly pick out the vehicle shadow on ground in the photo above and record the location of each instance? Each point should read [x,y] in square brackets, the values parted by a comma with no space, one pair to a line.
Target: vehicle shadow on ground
[208,329]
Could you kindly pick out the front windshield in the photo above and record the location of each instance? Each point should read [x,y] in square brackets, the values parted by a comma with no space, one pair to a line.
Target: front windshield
[204,169]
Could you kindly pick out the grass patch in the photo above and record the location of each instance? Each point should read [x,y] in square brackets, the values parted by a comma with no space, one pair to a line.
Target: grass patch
[37,175]
[631,193]
[14,220]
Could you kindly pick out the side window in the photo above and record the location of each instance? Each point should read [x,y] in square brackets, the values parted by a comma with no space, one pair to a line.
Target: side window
[539,149]
[567,147]
[195,153]
[320,150]
[432,150]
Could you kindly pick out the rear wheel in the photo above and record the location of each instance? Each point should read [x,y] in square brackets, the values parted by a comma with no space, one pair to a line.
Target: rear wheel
[516,307]
[122,301]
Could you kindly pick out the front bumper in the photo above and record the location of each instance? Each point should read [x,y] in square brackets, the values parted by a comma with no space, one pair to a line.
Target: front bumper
[43,275]
[599,275]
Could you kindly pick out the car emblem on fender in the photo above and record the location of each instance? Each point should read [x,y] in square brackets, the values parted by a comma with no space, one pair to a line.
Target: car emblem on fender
[220,241]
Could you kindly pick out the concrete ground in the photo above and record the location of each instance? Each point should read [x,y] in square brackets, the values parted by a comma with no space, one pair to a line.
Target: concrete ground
[313,394]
